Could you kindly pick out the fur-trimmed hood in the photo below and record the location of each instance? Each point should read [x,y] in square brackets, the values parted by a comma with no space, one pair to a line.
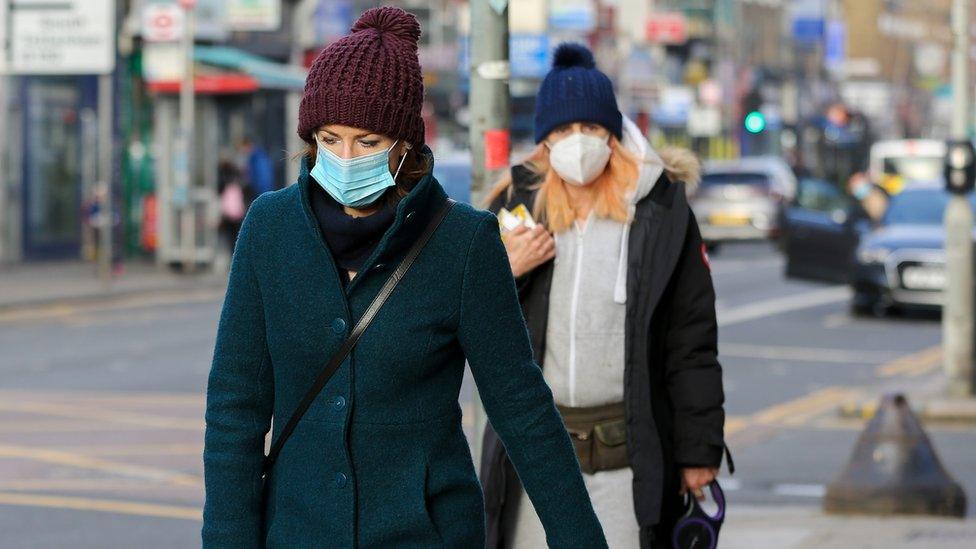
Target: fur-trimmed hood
[678,163]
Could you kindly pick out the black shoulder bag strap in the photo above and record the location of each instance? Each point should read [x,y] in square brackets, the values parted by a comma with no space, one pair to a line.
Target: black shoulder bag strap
[357,332]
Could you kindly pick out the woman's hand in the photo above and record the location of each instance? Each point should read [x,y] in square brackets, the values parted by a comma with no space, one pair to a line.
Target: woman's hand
[696,478]
[528,248]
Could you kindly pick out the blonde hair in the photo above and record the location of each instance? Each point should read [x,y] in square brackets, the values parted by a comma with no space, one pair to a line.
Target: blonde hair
[552,204]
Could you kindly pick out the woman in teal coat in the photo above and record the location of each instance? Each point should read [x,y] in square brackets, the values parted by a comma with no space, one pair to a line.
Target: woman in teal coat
[379,459]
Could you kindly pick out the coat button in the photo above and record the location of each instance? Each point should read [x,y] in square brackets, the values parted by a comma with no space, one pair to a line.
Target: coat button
[341,480]
[339,402]
[378,266]
[409,216]
[339,326]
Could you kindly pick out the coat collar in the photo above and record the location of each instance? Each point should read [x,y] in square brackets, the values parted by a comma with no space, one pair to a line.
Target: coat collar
[413,213]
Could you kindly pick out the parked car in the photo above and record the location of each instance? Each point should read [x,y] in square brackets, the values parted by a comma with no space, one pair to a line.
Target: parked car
[742,199]
[900,263]
[895,163]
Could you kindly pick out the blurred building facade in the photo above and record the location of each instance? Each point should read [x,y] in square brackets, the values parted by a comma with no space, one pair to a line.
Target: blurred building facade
[725,77]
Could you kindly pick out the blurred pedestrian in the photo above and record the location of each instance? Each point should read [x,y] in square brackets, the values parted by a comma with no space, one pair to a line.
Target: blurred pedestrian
[615,286]
[233,204]
[379,458]
[870,196]
[257,166]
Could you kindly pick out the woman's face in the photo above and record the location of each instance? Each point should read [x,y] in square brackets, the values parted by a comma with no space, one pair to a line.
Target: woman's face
[585,128]
[347,142]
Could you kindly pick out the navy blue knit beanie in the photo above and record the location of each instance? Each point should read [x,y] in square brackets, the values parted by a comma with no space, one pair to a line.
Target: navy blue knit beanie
[575,91]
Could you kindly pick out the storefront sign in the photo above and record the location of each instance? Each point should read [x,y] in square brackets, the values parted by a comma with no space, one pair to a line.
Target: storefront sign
[65,37]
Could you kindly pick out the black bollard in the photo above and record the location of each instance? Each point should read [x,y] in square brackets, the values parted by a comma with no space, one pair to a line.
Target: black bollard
[894,470]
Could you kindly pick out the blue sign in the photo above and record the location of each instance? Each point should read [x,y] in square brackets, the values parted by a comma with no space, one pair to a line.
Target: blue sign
[835,44]
[808,31]
[333,19]
[529,55]
[571,15]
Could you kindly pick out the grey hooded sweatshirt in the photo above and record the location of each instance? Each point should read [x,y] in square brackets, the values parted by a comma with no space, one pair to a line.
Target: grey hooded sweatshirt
[584,360]
[585,335]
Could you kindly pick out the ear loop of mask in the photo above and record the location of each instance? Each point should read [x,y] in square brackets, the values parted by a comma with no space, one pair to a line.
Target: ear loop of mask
[402,160]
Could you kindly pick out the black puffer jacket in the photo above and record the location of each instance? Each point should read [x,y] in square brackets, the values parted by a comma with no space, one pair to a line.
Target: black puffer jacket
[672,381]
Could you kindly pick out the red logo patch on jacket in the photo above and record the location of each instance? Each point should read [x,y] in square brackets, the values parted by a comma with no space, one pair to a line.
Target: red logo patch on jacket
[704,254]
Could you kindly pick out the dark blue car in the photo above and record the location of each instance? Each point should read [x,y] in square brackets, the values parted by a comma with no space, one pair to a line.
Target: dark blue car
[898,263]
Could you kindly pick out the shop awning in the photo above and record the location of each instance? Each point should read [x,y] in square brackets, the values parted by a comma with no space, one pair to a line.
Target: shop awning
[210,84]
[223,70]
[269,74]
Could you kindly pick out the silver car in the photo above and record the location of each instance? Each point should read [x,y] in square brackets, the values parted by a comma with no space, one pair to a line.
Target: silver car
[742,199]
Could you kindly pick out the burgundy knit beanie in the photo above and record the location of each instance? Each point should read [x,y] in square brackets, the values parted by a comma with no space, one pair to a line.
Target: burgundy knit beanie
[370,79]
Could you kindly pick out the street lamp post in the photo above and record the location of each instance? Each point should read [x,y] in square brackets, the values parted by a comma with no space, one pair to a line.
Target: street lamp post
[184,173]
[489,127]
[957,310]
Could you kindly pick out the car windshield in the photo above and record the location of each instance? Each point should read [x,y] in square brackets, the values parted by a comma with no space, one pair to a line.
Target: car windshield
[735,178]
[919,207]
[919,168]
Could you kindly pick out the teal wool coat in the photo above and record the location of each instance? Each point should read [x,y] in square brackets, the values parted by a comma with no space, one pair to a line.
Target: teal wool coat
[379,460]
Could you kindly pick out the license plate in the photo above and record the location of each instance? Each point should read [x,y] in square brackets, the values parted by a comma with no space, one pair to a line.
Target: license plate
[923,278]
[725,218]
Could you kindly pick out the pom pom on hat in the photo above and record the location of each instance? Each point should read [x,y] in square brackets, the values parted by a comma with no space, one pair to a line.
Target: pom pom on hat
[390,21]
[573,55]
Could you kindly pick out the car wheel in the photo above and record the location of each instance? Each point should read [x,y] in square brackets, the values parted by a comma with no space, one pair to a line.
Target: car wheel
[867,307]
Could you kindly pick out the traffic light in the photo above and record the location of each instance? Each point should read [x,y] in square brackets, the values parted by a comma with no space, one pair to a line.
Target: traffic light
[755,122]
[960,166]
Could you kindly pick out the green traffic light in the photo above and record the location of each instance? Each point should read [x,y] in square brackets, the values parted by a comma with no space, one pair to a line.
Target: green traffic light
[755,122]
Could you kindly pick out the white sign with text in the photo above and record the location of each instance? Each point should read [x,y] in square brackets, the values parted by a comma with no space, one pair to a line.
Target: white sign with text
[64,37]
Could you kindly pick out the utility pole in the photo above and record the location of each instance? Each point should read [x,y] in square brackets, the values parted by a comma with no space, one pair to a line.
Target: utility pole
[302,12]
[5,240]
[957,310]
[489,104]
[105,172]
[185,194]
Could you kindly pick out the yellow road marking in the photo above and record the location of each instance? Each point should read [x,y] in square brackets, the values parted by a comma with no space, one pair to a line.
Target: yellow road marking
[103,505]
[912,365]
[115,303]
[118,397]
[81,461]
[111,416]
[83,484]
[800,411]
[138,450]
[53,426]
[804,407]
[801,354]
[734,424]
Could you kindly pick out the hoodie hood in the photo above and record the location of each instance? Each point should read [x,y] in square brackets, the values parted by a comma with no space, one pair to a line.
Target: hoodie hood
[678,164]
[652,165]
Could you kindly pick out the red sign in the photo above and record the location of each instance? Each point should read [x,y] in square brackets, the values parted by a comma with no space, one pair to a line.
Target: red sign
[667,29]
[162,23]
[210,84]
[497,145]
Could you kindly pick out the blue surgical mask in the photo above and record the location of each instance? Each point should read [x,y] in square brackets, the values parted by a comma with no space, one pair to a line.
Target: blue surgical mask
[355,182]
[862,191]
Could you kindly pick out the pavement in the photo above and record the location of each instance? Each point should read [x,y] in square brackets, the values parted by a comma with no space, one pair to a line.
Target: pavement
[41,284]
[796,527]
[102,399]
